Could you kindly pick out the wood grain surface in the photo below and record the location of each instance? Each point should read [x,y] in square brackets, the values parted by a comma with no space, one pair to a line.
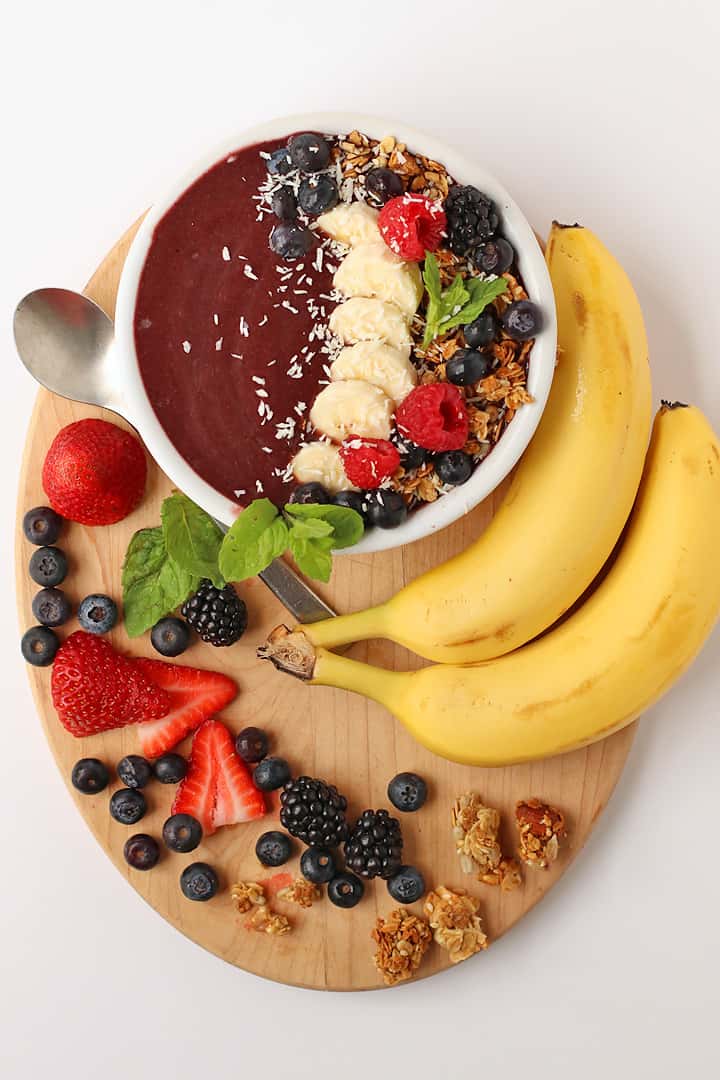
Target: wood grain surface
[322,732]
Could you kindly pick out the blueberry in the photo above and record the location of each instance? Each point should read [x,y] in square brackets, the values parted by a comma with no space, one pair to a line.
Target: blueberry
[355,500]
[345,890]
[279,163]
[317,865]
[48,566]
[407,792]
[412,456]
[522,320]
[42,525]
[493,257]
[482,330]
[199,881]
[170,636]
[90,776]
[51,607]
[273,848]
[127,805]
[310,493]
[290,241]
[284,205]
[170,768]
[308,152]
[252,744]
[39,645]
[97,613]
[271,774]
[134,771]
[454,467]
[317,195]
[407,885]
[386,509]
[141,851]
[181,832]
[383,184]
[466,367]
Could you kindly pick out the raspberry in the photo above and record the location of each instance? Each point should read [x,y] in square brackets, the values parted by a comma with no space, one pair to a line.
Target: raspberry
[411,225]
[435,417]
[368,461]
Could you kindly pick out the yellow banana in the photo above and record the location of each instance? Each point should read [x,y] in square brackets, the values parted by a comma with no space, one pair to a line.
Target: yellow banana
[598,670]
[571,493]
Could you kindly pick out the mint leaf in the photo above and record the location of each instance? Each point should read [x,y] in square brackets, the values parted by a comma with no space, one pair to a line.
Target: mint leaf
[431,278]
[453,299]
[152,583]
[482,293]
[312,556]
[311,528]
[258,536]
[347,524]
[192,538]
[459,304]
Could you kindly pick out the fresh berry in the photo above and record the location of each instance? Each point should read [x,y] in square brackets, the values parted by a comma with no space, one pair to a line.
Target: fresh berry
[467,366]
[134,771]
[279,163]
[182,833]
[407,885]
[39,645]
[471,218]
[42,525]
[284,204]
[273,848]
[386,509]
[383,184]
[51,607]
[407,792]
[199,881]
[522,320]
[48,566]
[368,462]
[96,689]
[218,789]
[94,472]
[97,613]
[454,467]
[127,805]
[193,696]
[345,890]
[410,225]
[90,776]
[314,812]
[434,416]
[493,257]
[218,615]
[317,865]
[271,774]
[170,636]
[308,152]
[310,493]
[141,851]
[290,241]
[252,745]
[412,456]
[353,500]
[374,846]
[170,768]
[481,331]
[317,195]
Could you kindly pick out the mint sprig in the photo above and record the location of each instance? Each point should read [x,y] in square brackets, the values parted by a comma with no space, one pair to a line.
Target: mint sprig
[462,301]
[153,583]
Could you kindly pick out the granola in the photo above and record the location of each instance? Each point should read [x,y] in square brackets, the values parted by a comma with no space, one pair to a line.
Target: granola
[301,892]
[475,830]
[402,941]
[540,827]
[249,896]
[454,918]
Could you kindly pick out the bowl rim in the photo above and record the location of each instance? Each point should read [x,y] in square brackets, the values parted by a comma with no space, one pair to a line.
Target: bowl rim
[137,408]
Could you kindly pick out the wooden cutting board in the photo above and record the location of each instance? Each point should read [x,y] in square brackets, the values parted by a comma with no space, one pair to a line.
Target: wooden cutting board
[322,732]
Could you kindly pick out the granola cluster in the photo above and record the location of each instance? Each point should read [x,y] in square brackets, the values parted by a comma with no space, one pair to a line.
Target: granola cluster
[300,892]
[357,154]
[248,896]
[475,830]
[540,827]
[402,941]
[454,919]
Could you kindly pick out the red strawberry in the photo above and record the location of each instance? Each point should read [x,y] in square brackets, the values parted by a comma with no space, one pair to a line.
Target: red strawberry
[95,689]
[94,472]
[196,793]
[368,462]
[194,695]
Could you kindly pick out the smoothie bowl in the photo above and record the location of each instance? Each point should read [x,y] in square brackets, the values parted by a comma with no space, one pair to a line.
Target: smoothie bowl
[337,309]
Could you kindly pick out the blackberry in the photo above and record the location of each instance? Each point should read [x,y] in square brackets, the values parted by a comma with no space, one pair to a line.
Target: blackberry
[374,847]
[471,218]
[218,615]
[314,812]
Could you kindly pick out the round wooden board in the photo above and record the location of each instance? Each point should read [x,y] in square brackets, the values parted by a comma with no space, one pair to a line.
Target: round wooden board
[323,732]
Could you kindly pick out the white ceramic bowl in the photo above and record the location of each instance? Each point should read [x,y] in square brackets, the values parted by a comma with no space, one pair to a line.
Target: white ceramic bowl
[133,403]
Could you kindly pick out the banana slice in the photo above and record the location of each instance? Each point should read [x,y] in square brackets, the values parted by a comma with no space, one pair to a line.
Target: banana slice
[363,319]
[373,270]
[379,364]
[352,408]
[320,463]
[351,224]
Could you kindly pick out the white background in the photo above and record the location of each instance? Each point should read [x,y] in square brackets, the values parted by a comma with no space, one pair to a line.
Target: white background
[601,112]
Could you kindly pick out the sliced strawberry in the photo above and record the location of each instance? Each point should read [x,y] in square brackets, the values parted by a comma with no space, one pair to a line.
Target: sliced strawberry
[236,797]
[194,696]
[196,793]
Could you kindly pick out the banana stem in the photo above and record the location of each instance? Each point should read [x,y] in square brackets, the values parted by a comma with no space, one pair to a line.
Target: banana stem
[345,629]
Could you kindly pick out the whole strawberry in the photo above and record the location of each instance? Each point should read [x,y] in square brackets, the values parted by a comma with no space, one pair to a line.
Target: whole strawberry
[94,472]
